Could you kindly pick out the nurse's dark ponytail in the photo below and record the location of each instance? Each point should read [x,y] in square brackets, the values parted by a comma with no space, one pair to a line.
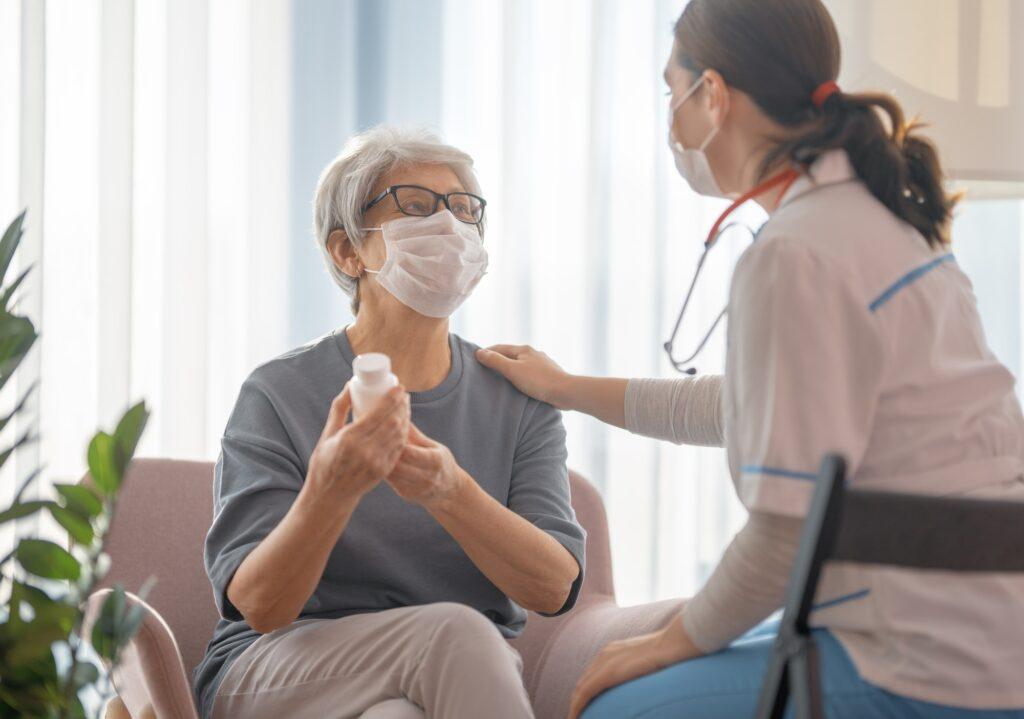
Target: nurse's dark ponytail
[779,52]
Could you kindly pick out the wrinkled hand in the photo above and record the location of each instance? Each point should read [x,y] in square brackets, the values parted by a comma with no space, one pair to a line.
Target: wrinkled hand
[352,457]
[629,659]
[530,370]
[426,472]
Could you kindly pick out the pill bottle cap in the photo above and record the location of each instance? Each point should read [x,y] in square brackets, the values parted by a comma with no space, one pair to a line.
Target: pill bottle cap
[372,367]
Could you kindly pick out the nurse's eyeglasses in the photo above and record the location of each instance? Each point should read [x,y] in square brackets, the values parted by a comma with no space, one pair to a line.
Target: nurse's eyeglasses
[419,201]
[683,364]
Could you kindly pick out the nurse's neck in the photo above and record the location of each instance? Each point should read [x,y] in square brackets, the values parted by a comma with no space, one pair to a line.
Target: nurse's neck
[772,198]
[754,136]
[417,345]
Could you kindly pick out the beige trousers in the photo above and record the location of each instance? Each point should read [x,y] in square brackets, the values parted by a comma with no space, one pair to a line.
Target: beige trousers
[440,661]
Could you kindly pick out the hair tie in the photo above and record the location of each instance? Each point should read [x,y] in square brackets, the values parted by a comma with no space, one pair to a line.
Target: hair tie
[824,92]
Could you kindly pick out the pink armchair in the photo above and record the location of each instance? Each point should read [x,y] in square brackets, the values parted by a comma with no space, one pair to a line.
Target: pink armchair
[163,514]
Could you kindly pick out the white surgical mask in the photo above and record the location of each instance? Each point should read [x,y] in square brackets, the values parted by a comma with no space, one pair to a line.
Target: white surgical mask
[433,263]
[692,163]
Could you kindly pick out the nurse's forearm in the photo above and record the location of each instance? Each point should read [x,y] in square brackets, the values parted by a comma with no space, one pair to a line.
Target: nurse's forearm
[600,397]
[523,561]
[685,410]
[748,584]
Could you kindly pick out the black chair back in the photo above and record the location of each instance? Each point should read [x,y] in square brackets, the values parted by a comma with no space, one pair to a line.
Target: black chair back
[885,528]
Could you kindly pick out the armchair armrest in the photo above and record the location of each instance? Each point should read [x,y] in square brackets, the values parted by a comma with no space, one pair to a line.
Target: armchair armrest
[150,676]
[559,648]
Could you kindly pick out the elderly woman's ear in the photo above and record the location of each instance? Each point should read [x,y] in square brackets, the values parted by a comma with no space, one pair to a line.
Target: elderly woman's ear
[344,254]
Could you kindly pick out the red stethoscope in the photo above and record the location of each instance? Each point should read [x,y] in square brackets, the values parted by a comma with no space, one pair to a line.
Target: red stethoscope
[785,179]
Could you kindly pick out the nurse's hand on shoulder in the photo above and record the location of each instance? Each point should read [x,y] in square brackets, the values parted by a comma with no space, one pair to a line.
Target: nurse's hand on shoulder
[426,472]
[530,370]
[350,458]
[629,659]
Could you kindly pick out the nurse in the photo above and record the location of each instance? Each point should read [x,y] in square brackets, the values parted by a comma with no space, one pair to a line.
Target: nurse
[851,329]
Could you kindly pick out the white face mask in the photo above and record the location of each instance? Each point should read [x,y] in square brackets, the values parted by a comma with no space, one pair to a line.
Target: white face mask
[433,263]
[692,163]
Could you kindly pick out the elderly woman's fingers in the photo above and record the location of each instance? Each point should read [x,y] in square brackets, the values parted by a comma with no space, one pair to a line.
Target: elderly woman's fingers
[419,457]
[417,437]
[389,435]
[338,415]
[394,402]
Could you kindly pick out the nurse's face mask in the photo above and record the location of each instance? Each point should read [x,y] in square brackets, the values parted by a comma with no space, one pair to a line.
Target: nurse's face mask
[432,263]
[692,163]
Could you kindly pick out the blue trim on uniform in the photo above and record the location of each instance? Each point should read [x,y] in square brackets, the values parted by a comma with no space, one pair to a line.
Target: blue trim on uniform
[841,600]
[908,279]
[778,472]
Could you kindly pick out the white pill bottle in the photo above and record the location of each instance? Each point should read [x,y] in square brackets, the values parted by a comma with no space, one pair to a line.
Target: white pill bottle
[372,380]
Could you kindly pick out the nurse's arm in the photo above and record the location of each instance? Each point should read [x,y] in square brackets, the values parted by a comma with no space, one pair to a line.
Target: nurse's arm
[684,410]
[535,374]
[748,584]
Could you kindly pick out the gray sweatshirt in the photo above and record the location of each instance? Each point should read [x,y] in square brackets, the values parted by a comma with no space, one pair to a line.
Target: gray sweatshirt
[392,553]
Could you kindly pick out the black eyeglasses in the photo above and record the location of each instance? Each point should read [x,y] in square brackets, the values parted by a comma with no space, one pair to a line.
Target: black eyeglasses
[421,202]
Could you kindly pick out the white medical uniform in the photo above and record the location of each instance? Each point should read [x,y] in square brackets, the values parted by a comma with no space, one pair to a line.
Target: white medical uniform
[848,333]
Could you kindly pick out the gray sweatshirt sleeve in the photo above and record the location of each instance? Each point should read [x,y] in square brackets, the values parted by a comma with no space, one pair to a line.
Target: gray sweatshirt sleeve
[747,585]
[539,490]
[685,411]
[257,478]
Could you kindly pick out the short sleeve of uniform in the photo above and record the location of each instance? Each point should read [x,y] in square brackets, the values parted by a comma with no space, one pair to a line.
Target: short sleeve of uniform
[803,375]
[256,480]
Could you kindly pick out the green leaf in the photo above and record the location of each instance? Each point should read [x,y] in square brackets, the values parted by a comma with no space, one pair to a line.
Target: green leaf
[80,499]
[18,407]
[79,529]
[10,242]
[102,467]
[109,455]
[129,429]
[17,334]
[26,482]
[8,292]
[76,710]
[31,684]
[34,645]
[105,630]
[116,624]
[53,620]
[42,603]
[23,439]
[86,673]
[23,509]
[46,559]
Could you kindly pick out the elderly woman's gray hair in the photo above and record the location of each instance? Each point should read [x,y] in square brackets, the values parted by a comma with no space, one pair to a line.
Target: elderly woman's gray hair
[345,186]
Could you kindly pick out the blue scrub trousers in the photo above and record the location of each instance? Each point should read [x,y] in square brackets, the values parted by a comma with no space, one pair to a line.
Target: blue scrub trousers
[726,685]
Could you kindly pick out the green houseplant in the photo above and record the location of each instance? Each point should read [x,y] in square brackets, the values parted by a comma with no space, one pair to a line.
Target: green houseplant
[43,585]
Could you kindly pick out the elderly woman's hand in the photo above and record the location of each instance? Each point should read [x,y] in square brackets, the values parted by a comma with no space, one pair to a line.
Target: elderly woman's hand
[426,472]
[352,457]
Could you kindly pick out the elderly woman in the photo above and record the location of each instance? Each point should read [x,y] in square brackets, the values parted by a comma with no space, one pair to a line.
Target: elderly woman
[375,567]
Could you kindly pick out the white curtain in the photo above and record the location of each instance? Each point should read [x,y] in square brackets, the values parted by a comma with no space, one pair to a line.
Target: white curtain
[168,151]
